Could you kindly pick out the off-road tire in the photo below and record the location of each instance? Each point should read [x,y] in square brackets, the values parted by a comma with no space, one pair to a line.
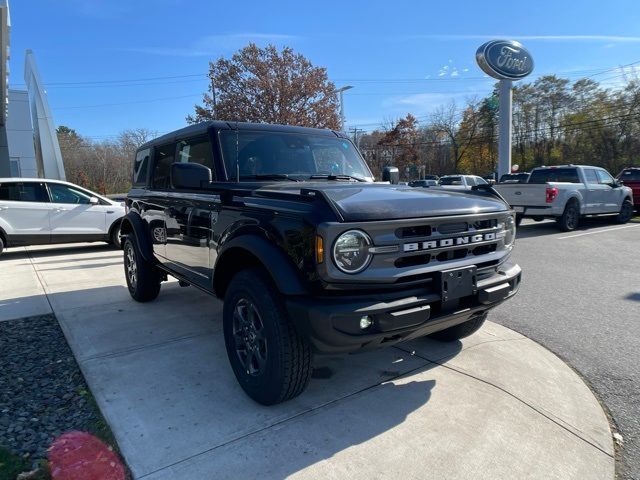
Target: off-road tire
[282,355]
[570,218]
[143,278]
[626,212]
[461,330]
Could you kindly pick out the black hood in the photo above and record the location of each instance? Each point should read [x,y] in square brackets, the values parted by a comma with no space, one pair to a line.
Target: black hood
[358,202]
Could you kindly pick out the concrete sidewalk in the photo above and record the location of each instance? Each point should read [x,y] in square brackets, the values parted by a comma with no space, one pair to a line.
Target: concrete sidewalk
[495,405]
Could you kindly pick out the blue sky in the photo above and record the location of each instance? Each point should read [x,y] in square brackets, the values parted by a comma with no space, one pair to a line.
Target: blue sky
[97,56]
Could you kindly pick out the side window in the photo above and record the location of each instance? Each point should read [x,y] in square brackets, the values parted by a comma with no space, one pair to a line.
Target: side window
[23,192]
[64,194]
[604,177]
[196,150]
[591,176]
[140,167]
[163,157]
[471,182]
[480,181]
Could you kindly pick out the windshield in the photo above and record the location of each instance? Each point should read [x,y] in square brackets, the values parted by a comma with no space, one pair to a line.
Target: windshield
[451,181]
[630,175]
[290,155]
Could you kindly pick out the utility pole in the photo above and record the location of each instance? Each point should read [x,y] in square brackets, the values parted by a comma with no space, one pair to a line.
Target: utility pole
[342,117]
[356,139]
[213,95]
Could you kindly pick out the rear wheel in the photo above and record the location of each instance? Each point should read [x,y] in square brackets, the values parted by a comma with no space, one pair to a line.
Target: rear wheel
[570,218]
[143,278]
[461,330]
[626,212]
[269,357]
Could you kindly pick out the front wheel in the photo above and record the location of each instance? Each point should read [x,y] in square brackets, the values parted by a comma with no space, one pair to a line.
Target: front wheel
[114,238]
[461,330]
[269,357]
[143,278]
[1,245]
[519,218]
[626,212]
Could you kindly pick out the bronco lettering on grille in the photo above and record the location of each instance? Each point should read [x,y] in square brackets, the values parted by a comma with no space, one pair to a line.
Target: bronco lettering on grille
[448,242]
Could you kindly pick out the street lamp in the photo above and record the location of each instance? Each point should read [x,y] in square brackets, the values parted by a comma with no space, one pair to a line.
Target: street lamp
[340,90]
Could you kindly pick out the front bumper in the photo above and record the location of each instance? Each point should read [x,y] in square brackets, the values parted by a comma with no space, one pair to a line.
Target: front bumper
[332,323]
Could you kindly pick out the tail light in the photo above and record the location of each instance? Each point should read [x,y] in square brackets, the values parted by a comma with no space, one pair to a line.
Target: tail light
[552,193]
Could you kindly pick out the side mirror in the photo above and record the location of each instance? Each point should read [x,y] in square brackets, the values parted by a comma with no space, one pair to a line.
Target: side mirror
[94,201]
[391,175]
[189,175]
[616,184]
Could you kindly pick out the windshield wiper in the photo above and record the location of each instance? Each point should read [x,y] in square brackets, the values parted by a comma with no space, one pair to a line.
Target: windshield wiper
[270,176]
[331,176]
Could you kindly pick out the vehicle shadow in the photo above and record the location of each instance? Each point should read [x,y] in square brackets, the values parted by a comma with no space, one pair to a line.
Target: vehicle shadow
[529,228]
[633,296]
[15,253]
[170,354]
[82,266]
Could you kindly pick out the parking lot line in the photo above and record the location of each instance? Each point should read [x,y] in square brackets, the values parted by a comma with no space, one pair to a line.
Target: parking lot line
[599,231]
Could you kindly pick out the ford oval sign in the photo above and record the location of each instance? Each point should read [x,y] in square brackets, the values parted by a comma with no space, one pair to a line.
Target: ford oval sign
[504,59]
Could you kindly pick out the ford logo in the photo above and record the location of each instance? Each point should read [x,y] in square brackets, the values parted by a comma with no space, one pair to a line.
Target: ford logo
[504,59]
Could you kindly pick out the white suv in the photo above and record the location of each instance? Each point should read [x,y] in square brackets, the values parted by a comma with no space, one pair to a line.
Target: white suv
[37,211]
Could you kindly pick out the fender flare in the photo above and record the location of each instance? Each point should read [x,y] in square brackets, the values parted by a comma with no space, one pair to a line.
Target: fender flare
[274,261]
[578,198]
[133,223]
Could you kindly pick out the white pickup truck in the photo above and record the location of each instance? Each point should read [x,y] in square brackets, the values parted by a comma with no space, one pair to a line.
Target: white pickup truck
[567,193]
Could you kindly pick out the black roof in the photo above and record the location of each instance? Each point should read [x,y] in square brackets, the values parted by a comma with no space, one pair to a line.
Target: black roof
[203,127]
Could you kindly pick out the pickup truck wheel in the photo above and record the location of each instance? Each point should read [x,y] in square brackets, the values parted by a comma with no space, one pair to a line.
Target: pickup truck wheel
[143,278]
[269,357]
[519,218]
[626,212]
[461,330]
[570,218]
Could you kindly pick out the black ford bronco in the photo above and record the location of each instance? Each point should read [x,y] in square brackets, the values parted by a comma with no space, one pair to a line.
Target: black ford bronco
[310,255]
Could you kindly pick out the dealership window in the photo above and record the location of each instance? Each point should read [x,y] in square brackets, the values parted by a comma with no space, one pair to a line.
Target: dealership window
[14,167]
[164,156]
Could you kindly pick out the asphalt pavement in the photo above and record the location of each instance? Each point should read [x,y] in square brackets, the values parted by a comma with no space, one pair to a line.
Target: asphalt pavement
[580,298]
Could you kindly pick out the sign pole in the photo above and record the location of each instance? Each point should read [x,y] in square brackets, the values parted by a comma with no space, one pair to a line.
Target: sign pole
[505,60]
[505,127]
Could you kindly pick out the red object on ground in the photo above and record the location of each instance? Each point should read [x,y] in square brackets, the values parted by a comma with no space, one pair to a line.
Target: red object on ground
[81,456]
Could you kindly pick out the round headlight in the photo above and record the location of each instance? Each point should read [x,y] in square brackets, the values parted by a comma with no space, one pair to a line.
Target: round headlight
[351,251]
[509,231]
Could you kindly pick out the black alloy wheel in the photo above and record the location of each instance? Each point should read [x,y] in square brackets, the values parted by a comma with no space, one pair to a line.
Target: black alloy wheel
[249,337]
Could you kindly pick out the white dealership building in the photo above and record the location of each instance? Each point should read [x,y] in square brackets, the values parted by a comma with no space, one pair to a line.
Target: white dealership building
[28,142]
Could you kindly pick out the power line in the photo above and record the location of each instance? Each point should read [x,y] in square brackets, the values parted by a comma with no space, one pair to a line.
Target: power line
[128,103]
